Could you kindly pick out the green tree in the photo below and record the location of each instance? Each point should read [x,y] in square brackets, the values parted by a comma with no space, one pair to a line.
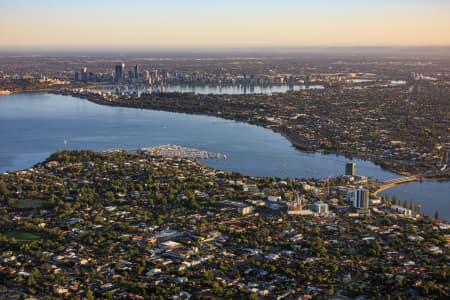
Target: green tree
[90,295]
[4,192]
[253,296]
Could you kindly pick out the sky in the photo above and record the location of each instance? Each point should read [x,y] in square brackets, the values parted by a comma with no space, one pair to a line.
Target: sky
[147,24]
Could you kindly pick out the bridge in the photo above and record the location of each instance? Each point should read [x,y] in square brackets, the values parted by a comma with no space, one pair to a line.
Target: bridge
[391,183]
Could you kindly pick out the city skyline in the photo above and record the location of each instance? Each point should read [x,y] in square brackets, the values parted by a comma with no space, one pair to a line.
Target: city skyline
[140,24]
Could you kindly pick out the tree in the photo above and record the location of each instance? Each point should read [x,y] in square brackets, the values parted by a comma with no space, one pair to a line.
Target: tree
[394,200]
[331,291]
[90,295]
[418,208]
[31,282]
[3,190]
[405,204]
[253,296]
[436,215]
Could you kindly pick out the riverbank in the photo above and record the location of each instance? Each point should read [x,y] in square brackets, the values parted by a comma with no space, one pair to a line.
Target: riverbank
[400,167]
[46,121]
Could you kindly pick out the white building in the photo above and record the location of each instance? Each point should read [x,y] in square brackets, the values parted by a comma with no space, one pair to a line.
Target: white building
[361,198]
[274,198]
[245,210]
[320,207]
[401,210]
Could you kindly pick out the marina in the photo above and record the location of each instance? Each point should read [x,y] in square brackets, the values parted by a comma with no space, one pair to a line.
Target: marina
[180,151]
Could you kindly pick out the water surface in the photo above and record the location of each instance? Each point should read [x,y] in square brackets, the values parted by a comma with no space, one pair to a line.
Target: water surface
[32,126]
[431,195]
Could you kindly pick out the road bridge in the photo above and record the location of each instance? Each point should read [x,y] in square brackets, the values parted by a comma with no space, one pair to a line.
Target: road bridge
[391,183]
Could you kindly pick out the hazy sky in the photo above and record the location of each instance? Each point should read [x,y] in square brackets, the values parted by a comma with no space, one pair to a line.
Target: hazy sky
[228,23]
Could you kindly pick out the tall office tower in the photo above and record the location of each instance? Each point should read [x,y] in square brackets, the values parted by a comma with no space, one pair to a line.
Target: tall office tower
[147,77]
[84,74]
[361,199]
[120,73]
[77,76]
[164,74]
[155,75]
[350,169]
[146,74]
[136,71]
[92,76]
[306,82]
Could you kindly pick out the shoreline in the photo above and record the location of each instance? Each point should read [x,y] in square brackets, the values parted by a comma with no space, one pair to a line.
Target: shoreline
[381,190]
[201,161]
[296,141]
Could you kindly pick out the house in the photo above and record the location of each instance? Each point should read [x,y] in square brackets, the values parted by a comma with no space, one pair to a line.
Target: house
[401,210]
[245,210]
[321,208]
[274,198]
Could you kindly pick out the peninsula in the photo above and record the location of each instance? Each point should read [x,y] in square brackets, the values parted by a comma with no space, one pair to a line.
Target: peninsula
[121,225]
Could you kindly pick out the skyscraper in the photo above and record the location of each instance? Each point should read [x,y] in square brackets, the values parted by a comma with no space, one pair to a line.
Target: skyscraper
[361,199]
[350,169]
[84,74]
[120,73]
[136,71]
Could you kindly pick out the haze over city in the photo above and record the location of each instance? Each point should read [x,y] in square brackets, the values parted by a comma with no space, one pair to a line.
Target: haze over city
[138,24]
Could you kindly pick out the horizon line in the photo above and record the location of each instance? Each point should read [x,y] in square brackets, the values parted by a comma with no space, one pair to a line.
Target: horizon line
[211,48]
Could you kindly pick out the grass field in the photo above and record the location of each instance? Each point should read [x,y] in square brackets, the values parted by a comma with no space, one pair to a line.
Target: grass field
[22,236]
[28,203]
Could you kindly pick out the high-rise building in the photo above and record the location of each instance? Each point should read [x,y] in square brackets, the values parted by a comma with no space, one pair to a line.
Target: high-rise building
[155,76]
[136,71]
[120,73]
[350,169]
[446,155]
[84,74]
[361,198]
[92,76]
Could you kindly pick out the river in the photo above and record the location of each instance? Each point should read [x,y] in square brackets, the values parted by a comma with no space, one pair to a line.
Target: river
[32,126]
